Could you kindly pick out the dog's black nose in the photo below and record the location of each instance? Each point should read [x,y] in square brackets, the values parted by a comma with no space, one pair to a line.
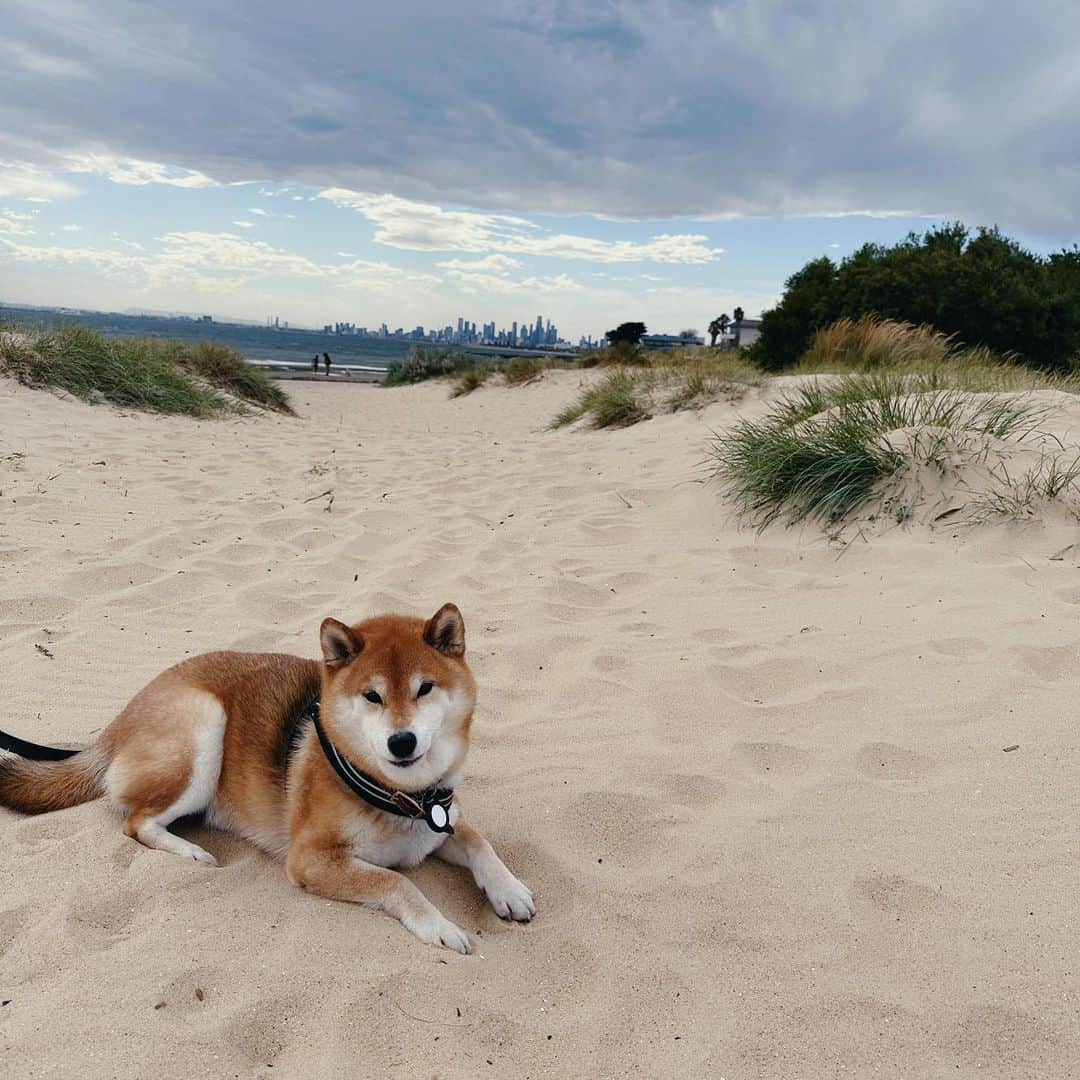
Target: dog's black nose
[402,743]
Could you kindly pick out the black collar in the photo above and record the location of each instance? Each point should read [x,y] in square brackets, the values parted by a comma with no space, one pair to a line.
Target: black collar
[432,804]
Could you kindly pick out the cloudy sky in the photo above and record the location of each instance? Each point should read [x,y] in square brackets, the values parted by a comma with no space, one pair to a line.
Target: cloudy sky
[591,161]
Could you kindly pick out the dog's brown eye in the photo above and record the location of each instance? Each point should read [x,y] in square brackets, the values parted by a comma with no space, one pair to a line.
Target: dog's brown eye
[373,697]
[425,688]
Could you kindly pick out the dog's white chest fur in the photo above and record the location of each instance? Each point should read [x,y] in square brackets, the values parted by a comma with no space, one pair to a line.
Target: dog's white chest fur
[409,844]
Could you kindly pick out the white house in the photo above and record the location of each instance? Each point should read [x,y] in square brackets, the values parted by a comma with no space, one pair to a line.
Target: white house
[744,333]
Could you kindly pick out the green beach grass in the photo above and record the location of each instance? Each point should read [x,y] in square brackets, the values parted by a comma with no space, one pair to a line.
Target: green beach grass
[201,379]
[660,381]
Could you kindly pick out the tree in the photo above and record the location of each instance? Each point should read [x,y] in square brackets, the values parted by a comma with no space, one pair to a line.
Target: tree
[630,332]
[981,288]
[807,305]
[688,335]
[718,327]
[738,314]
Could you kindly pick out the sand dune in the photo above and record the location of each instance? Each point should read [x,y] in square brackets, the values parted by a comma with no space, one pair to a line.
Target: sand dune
[757,783]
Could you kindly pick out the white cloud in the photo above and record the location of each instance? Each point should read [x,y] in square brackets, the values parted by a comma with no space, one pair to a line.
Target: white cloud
[14,224]
[47,64]
[417,226]
[133,171]
[20,180]
[71,228]
[379,277]
[245,224]
[259,212]
[215,260]
[101,259]
[495,264]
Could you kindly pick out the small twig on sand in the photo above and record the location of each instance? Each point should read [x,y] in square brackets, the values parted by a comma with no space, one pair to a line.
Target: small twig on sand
[321,495]
[420,1019]
[625,500]
[45,652]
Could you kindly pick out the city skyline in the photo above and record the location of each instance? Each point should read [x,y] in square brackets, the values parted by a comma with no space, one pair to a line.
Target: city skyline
[528,335]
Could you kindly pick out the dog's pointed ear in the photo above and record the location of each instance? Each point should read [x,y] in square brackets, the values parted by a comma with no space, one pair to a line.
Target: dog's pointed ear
[445,631]
[340,644]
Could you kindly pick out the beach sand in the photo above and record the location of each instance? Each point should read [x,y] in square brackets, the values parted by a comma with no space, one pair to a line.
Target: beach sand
[758,783]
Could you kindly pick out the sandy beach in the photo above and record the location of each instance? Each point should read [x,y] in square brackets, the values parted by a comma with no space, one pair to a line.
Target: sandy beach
[759,784]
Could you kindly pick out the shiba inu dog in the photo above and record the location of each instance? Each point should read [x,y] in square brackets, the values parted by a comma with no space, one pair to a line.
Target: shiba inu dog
[344,769]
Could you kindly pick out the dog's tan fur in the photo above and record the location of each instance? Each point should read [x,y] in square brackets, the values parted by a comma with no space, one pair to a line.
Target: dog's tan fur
[211,736]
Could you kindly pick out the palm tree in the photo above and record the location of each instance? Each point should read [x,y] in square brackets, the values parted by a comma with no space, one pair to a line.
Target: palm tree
[738,313]
[717,327]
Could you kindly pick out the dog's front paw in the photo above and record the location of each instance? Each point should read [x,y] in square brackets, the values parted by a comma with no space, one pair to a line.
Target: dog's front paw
[511,899]
[435,929]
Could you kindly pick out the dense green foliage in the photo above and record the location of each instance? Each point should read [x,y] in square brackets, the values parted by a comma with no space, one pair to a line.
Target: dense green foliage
[630,332]
[158,375]
[983,289]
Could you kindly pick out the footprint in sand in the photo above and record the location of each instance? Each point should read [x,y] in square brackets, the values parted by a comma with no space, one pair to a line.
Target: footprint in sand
[772,759]
[889,762]
[958,646]
[37,609]
[92,580]
[1048,662]
[893,894]
[13,922]
[95,922]
[44,830]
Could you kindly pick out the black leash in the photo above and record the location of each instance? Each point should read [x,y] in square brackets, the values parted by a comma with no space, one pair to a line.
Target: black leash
[432,804]
[33,751]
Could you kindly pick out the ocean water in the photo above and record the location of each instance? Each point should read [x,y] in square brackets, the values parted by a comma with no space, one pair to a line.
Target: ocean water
[257,343]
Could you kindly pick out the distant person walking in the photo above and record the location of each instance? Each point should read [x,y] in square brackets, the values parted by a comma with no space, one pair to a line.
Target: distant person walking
[315,363]
[326,362]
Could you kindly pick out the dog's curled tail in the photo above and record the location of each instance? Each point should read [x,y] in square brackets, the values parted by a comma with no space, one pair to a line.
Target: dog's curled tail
[44,778]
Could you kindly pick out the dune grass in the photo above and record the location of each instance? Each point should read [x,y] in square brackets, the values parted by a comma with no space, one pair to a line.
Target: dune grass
[226,369]
[423,362]
[661,381]
[820,451]
[871,344]
[154,375]
[618,400]
[472,378]
[520,369]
